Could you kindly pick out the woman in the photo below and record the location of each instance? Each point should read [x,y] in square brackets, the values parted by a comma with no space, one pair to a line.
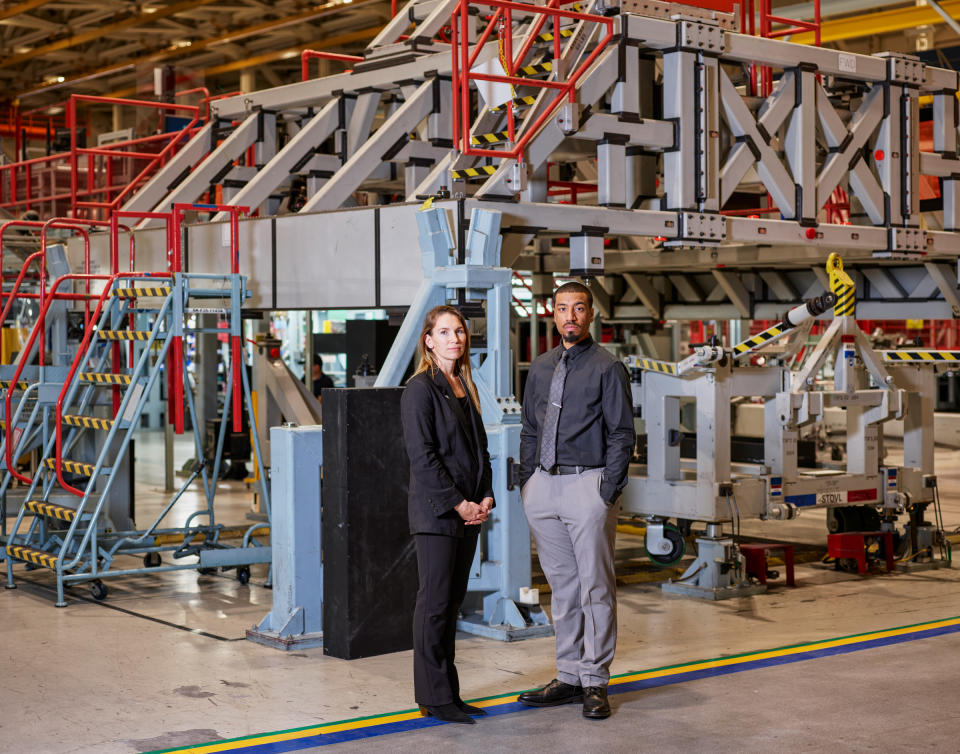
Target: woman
[450,496]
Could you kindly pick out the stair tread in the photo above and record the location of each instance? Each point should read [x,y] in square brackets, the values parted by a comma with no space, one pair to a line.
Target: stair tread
[73,467]
[143,291]
[60,512]
[32,555]
[105,378]
[128,334]
[88,422]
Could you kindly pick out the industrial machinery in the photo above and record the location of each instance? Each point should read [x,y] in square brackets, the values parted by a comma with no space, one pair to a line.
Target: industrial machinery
[64,523]
[871,387]
[700,163]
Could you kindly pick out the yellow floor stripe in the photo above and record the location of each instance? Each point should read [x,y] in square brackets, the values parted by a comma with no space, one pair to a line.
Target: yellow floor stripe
[616,680]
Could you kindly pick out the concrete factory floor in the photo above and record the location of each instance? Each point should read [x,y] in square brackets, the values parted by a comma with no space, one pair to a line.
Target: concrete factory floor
[163,663]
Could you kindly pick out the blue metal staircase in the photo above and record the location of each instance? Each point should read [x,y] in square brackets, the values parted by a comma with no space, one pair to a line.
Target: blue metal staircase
[64,523]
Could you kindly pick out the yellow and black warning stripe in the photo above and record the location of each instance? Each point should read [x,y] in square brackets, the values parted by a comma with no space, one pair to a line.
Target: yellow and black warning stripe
[124,334]
[652,365]
[497,137]
[759,339]
[547,36]
[105,378]
[474,172]
[536,69]
[517,101]
[21,384]
[846,302]
[32,555]
[921,356]
[59,512]
[74,467]
[157,291]
[87,422]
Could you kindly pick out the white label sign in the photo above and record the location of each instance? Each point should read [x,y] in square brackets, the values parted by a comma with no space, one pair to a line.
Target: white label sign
[847,62]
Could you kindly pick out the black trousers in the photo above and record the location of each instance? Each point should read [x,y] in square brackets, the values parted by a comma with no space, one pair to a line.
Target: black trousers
[443,565]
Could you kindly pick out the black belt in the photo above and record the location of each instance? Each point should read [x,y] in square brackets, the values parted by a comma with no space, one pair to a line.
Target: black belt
[557,469]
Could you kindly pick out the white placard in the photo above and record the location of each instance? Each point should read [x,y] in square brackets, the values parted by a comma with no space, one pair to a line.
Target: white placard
[847,62]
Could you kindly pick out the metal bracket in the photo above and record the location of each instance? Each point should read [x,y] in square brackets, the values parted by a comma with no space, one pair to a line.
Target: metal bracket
[513,473]
[699,34]
[700,228]
[907,70]
[905,243]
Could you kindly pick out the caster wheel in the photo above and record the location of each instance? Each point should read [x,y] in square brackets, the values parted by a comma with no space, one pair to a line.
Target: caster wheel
[678,546]
[98,590]
[206,571]
[243,574]
[151,560]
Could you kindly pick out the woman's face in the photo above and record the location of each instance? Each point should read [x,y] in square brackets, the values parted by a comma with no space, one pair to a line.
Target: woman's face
[447,339]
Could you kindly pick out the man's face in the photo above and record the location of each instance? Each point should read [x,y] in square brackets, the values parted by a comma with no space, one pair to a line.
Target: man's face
[572,315]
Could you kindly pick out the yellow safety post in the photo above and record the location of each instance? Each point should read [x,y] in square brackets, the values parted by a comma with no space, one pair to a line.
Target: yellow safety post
[842,286]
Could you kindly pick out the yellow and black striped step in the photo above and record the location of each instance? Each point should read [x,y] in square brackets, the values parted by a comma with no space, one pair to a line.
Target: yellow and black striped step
[498,137]
[126,334]
[74,467]
[32,555]
[517,101]
[547,36]
[145,292]
[652,365]
[104,378]
[87,422]
[535,69]
[59,512]
[477,172]
[921,356]
[21,384]
[758,340]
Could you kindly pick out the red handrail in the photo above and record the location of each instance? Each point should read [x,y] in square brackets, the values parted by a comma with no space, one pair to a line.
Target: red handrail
[307,55]
[81,351]
[463,62]
[38,329]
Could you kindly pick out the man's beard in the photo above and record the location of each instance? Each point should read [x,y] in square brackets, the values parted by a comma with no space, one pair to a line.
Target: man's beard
[573,336]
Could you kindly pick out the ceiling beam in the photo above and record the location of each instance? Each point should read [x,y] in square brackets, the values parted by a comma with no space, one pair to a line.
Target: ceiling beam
[101,31]
[881,22]
[25,7]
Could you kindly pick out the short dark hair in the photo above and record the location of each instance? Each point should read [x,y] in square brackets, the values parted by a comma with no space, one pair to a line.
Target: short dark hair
[574,287]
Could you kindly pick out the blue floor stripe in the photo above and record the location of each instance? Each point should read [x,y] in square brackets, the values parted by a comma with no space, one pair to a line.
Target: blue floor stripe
[373,731]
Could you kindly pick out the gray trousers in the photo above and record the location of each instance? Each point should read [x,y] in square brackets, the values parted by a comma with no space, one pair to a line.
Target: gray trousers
[574,531]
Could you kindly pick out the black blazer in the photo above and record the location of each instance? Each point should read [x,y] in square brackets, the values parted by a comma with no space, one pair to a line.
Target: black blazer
[445,466]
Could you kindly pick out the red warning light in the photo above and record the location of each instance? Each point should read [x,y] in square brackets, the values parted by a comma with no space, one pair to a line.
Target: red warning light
[878,155]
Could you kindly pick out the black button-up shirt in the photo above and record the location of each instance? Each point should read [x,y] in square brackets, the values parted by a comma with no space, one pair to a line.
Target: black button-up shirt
[596,418]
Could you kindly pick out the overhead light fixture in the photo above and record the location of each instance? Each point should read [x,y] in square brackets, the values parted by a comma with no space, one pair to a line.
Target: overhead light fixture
[148,10]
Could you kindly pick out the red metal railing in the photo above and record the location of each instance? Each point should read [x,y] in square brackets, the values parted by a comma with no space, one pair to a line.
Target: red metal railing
[307,55]
[757,19]
[89,185]
[77,359]
[502,22]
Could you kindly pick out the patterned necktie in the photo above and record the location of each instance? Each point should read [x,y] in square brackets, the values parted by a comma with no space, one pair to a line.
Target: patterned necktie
[548,443]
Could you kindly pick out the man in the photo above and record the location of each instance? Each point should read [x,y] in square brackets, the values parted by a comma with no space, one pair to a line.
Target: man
[575,447]
[320,380]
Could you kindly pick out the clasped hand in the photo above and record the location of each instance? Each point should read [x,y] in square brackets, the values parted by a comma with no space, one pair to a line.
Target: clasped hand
[474,513]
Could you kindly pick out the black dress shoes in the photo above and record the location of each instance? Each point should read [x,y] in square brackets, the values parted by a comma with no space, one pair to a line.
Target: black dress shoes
[447,713]
[595,704]
[469,708]
[554,693]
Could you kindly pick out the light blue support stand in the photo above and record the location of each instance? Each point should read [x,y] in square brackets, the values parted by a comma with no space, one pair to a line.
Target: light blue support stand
[502,564]
[296,620]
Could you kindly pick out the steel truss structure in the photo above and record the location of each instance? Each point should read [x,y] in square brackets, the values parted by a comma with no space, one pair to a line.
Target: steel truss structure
[659,126]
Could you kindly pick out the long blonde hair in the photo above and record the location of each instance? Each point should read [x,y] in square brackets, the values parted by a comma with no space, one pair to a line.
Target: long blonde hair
[429,362]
